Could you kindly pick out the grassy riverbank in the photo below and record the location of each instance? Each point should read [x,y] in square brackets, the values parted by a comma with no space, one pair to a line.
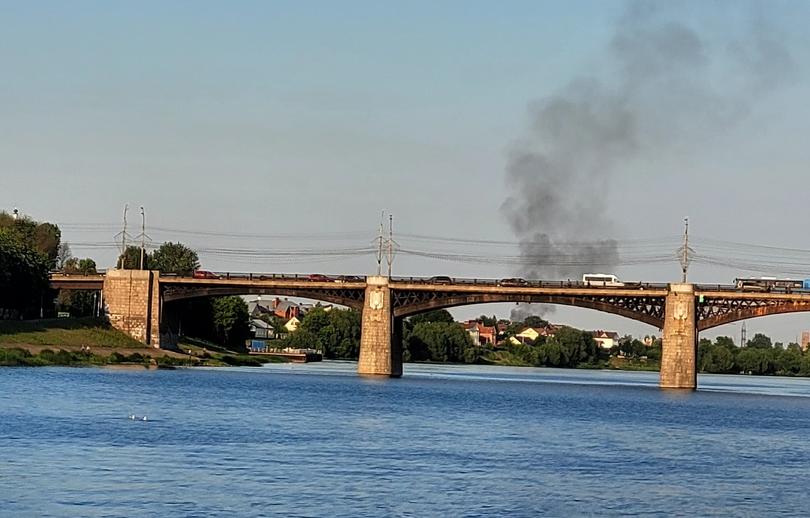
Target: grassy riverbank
[68,332]
[93,342]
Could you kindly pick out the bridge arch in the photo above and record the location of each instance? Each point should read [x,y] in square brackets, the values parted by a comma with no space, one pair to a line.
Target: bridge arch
[649,310]
[708,320]
[349,298]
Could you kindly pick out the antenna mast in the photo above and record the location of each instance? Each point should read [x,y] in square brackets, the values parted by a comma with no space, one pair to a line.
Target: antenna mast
[380,245]
[124,240]
[143,235]
[390,243]
[684,252]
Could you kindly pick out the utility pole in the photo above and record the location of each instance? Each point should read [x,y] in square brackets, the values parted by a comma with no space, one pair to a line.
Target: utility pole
[122,260]
[380,245]
[390,243]
[143,235]
[684,252]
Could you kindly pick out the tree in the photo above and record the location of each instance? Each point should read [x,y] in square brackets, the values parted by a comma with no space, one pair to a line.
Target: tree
[63,254]
[85,266]
[174,258]
[335,332]
[131,259]
[549,354]
[576,346]
[42,237]
[441,342]
[439,315]
[47,237]
[789,361]
[231,320]
[760,341]
[756,360]
[715,358]
[534,321]
[23,276]
[488,321]
[725,341]
[79,302]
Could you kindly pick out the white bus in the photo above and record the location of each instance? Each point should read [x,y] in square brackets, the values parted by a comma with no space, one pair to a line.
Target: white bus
[601,279]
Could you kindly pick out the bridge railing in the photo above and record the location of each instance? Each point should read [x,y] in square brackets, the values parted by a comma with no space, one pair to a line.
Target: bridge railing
[529,283]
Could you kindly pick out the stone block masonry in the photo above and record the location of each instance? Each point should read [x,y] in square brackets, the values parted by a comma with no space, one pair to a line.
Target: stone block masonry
[679,347]
[132,303]
[380,349]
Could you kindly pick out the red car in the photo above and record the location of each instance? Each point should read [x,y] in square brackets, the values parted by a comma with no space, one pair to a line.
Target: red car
[204,274]
[318,277]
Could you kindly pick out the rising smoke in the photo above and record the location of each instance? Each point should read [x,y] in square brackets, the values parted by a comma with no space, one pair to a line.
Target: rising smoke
[663,82]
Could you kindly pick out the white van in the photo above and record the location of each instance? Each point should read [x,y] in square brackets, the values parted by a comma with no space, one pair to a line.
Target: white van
[600,279]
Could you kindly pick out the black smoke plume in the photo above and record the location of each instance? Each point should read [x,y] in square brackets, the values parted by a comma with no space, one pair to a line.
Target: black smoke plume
[664,82]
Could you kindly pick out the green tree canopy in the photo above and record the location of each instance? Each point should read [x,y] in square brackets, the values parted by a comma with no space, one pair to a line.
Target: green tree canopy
[78,302]
[131,259]
[760,341]
[231,320]
[535,321]
[44,238]
[335,332]
[725,341]
[488,321]
[23,276]
[439,315]
[174,258]
[75,265]
[440,342]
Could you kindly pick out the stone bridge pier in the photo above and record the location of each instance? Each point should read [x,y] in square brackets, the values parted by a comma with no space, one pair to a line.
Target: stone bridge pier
[381,334]
[679,339]
[132,303]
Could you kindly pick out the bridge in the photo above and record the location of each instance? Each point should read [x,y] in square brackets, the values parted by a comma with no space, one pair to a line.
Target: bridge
[135,299]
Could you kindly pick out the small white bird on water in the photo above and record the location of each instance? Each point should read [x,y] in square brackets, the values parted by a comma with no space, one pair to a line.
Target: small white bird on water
[144,418]
[132,416]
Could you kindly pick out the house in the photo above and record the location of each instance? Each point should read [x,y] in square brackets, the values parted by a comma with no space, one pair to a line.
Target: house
[605,339]
[292,324]
[305,308]
[479,333]
[286,309]
[256,309]
[530,334]
[261,329]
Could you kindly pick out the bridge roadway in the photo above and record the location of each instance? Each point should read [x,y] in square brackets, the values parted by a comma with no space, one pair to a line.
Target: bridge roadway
[135,299]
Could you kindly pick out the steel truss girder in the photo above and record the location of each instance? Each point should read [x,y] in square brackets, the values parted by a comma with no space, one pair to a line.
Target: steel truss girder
[647,309]
[349,297]
[716,311]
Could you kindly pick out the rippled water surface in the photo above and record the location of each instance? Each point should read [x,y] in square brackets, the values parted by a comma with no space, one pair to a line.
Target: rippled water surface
[317,440]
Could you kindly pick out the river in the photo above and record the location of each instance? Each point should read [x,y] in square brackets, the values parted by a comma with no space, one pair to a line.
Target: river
[317,440]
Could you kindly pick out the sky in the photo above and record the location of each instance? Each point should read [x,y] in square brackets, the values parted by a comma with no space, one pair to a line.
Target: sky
[293,125]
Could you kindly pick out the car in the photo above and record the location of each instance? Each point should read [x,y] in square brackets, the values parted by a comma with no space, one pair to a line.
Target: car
[440,279]
[513,281]
[318,277]
[204,274]
[348,278]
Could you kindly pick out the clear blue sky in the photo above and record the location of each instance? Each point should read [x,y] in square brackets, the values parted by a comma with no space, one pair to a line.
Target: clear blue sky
[312,117]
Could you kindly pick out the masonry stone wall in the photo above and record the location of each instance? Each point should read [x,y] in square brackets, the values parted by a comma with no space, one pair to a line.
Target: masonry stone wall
[380,353]
[679,340]
[132,303]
